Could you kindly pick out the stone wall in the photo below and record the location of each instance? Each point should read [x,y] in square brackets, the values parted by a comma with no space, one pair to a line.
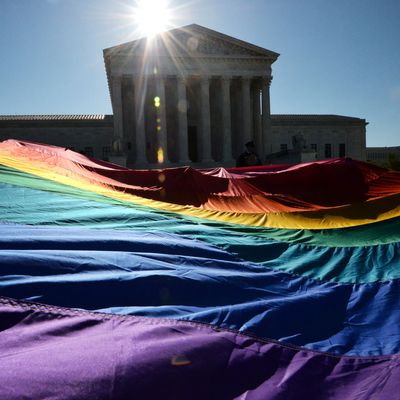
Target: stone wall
[382,155]
[328,136]
[92,137]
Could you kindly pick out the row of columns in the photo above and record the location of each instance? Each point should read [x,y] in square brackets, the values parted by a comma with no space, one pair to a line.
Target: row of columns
[261,122]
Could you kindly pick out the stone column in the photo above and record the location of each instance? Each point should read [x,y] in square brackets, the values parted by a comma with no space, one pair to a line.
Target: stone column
[182,121]
[266,115]
[257,118]
[117,154]
[161,114]
[205,120]
[117,107]
[246,124]
[226,120]
[140,137]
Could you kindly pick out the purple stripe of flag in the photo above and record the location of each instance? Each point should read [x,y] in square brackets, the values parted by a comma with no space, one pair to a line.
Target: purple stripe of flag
[50,352]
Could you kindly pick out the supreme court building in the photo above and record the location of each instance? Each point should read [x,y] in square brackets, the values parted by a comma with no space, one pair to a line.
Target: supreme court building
[192,96]
[189,95]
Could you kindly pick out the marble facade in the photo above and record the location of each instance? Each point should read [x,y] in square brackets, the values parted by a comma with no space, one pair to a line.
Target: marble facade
[189,96]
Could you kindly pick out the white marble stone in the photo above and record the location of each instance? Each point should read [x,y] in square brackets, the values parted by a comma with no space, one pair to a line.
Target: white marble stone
[199,55]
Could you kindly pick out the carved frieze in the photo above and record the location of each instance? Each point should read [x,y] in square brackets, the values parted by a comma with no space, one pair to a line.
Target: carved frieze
[200,44]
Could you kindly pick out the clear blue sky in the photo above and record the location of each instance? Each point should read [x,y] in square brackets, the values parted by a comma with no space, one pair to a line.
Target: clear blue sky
[337,57]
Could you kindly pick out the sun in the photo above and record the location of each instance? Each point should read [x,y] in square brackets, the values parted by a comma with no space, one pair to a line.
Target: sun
[152,16]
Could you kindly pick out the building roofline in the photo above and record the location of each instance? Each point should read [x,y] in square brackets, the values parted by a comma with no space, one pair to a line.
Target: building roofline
[192,28]
[316,118]
[56,117]
[59,120]
[382,148]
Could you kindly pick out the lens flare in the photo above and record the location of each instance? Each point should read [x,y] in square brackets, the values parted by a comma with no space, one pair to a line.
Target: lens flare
[179,361]
[160,155]
[152,16]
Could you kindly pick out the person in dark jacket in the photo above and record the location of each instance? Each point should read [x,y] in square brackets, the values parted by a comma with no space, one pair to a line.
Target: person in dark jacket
[249,157]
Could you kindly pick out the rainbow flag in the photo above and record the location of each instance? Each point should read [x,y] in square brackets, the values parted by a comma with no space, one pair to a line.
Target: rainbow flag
[270,282]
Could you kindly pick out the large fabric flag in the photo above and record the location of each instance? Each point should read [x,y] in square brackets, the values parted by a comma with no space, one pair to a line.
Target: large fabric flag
[270,282]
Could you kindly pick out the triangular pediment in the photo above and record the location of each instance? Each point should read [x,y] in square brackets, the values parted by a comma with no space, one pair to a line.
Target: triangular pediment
[198,39]
[195,40]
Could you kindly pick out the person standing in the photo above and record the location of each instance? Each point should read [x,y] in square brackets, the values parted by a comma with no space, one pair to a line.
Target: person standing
[249,157]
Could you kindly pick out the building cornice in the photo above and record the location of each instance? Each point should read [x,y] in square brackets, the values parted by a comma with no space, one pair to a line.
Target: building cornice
[92,120]
[53,117]
[315,119]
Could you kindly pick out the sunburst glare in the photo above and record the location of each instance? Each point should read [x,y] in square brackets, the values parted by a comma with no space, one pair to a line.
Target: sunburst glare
[152,16]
